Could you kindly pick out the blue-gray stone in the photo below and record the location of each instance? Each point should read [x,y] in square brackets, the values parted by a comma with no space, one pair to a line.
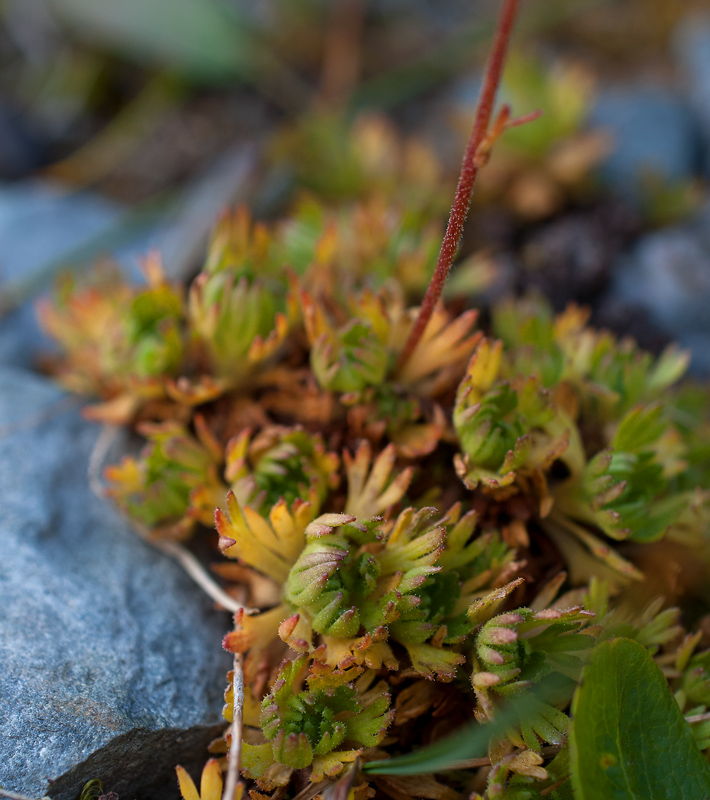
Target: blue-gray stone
[654,133]
[110,658]
[668,275]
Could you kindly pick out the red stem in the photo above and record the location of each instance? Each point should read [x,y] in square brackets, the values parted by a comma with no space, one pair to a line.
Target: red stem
[469,170]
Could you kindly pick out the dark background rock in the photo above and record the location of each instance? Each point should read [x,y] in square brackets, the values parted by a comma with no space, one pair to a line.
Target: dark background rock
[569,259]
[22,148]
[104,642]
[692,51]
[123,765]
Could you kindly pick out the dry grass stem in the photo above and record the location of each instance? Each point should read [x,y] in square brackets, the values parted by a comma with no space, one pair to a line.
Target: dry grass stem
[235,750]
[200,575]
[102,446]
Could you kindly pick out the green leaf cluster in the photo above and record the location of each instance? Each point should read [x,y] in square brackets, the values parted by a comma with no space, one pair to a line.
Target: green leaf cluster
[273,397]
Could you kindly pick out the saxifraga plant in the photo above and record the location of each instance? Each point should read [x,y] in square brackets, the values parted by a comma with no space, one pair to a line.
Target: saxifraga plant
[400,497]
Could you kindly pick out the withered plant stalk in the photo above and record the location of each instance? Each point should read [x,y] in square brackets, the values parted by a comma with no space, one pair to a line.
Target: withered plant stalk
[235,750]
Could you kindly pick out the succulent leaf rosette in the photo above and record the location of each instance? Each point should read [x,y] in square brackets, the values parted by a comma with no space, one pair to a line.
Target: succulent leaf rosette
[375,605]
[124,343]
[422,517]
[310,711]
[583,424]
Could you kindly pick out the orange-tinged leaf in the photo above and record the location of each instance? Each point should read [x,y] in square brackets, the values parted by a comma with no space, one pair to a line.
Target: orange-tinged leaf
[187,786]
[211,782]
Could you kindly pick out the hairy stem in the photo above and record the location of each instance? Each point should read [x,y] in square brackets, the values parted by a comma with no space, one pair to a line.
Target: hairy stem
[469,171]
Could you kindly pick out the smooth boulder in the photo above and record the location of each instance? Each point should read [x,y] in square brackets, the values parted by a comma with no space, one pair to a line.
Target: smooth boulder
[110,658]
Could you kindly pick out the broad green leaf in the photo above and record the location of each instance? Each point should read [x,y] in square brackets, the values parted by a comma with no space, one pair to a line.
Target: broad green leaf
[201,38]
[629,740]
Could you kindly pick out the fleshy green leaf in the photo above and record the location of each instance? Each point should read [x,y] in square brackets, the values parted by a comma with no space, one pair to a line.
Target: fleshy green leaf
[629,739]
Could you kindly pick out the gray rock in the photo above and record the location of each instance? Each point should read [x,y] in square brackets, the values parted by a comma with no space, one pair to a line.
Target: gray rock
[654,133]
[692,50]
[110,657]
[668,275]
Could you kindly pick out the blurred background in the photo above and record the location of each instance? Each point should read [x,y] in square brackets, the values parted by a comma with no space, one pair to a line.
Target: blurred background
[127,125]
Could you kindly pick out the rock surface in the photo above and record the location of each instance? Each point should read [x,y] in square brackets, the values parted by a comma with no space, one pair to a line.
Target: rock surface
[110,658]
[655,134]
